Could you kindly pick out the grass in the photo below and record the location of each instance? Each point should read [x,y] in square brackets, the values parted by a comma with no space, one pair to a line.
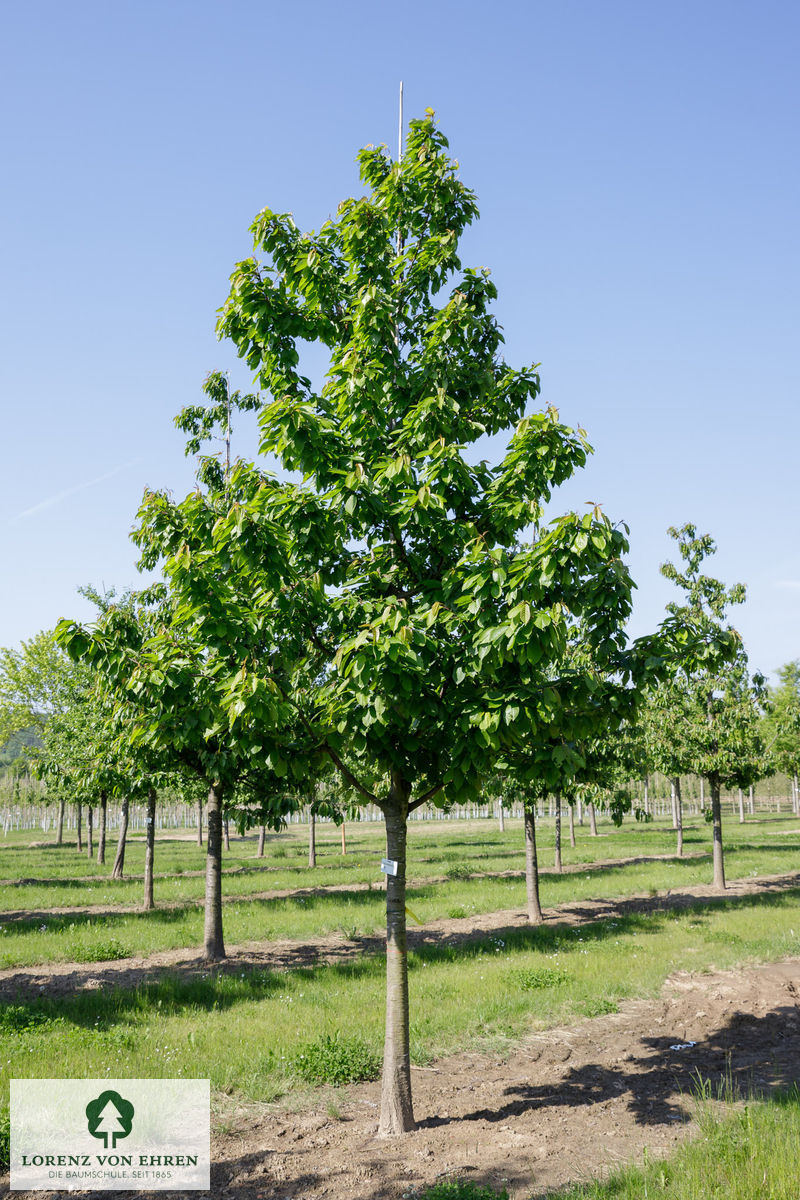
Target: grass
[45,937]
[244,1031]
[751,1155]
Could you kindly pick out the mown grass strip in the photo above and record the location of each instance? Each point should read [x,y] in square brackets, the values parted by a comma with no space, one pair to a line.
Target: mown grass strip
[242,1030]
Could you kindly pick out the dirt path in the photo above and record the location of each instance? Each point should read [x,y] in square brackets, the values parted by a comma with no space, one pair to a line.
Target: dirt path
[105,910]
[568,1104]
[63,979]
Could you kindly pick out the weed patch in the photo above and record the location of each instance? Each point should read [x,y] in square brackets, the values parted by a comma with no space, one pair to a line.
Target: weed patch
[335,1059]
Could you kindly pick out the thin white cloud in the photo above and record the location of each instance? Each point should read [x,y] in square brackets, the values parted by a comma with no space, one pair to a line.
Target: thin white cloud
[52,501]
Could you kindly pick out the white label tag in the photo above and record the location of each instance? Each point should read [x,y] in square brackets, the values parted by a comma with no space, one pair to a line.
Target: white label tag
[389,866]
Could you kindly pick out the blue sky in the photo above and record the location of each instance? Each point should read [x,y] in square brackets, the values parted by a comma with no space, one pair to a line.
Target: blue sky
[638,179]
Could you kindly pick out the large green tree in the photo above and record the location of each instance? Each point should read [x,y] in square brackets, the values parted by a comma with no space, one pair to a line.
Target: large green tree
[392,554]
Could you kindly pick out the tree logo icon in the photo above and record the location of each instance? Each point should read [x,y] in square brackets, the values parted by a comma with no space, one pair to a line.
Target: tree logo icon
[109,1117]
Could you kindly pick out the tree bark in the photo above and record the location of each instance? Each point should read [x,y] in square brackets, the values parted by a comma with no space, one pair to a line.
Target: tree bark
[501,816]
[716,820]
[397,1113]
[646,802]
[213,944]
[227,834]
[558,834]
[532,869]
[344,839]
[200,820]
[312,839]
[702,794]
[751,797]
[89,830]
[676,784]
[572,826]
[149,850]
[741,806]
[78,819]
[119,861]
[673,804]
[101,840]
[262,834]
[592,820]
[60,828]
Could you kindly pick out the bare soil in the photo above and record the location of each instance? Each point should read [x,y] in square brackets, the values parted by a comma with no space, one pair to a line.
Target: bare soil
[567,1104]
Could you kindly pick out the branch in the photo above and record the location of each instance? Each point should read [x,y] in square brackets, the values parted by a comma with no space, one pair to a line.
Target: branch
[424,797]
[349,776]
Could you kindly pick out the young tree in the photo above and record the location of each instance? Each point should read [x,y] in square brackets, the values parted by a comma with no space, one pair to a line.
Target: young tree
[396,557]
[721,704]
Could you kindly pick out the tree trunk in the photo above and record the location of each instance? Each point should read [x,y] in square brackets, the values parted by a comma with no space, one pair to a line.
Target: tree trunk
[558,834]
[716,820]
[580,812]
[702,794]
[60,829]
[672,804]
[312,839]
[344,839]
[101,840]
[795,792]
[501,816]
[676,785]
[532,869]
[572,826]
[119,861]
[78,819]
[89,830]
[397,1114]
[200,820]
[646,802]
[592,820]
[149,851]
[227,834]
[751,796]
[262,834]
[740,798]
[213,945]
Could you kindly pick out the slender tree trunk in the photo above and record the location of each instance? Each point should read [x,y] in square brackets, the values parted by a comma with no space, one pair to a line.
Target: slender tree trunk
[344,839]
[89,831]
[580,812]
[200,820]
[532,869]
[741,806]
[101,839]
[312,839]
[592,820]
[227,834]
[558,834]
[60,827]
[213,944]
[751,797]
[119,861]
[78,821]
[702,794]
[676,786]
[646,803]
[716,820]
[501,816]
[672,804]
[572,825]
[795,793]
[397,1113]
[262,834]
[149,850]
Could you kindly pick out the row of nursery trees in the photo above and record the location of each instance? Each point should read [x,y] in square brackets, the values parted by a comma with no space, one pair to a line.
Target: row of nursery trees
[389,608]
